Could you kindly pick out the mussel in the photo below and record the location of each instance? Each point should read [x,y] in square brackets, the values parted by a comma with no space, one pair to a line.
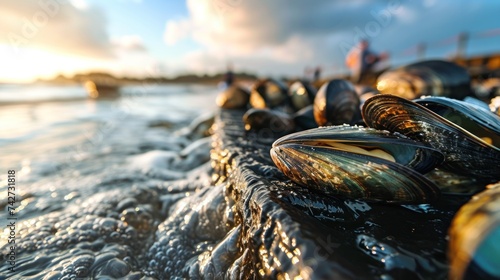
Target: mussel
[358,162]
[431,77]
[301,95]
[465,153]
[268,93]
[234,97]
[455,184]
[336,103]
[495,105]
[304,119]
[474,250]
[276,122]
[476,120]
[487,89]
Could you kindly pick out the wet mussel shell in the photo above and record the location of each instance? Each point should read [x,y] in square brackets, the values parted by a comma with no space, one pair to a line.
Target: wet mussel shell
[464,152]
[304,119]
[301,95]
[474,250]
[274,122]
[328,159]
[455,184]
[495,105]
[430,77]
[476,120]
[234,97]
[268,93]
[336,103]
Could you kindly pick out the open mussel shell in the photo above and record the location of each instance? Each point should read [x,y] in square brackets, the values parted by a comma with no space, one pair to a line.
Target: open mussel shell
[336,103]
[431,77]
[474,250]
[234,97]
[301,94]
[476,120]
[358,162]
[464,152]
[369,141]
[268,93]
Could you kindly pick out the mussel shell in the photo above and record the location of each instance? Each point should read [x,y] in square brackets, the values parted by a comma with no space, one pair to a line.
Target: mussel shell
[476,120]
[454,79]
[416,155]
[455,184]
[310,159]
[495,105]
[488,89]
[301,94]
[400,83]
[473,101]
[268,93]
[474,250]
[366,96]
[304,119]
[464,152]
[275,122]
[336,103]
[234,97]
[431,77]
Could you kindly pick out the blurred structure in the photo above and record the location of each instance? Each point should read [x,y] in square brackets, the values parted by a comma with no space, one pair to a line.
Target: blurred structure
[480,66]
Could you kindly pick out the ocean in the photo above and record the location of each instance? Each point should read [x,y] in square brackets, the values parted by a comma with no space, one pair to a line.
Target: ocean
[69,151]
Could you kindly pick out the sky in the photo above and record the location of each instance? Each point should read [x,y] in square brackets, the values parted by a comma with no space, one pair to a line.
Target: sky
[142,38]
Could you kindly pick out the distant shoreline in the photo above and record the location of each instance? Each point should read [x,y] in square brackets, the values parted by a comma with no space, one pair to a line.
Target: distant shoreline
[106,78]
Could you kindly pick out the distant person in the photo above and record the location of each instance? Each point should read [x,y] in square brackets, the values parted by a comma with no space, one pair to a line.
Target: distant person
[317,74]
[361,61]
[229,76]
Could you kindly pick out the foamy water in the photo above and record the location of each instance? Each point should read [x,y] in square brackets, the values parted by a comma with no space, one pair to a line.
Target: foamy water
[72,154]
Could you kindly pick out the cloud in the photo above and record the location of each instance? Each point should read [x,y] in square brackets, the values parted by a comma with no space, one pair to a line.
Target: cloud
[299,33]
[70,27]
[177,30]
[129,43]
[244,25]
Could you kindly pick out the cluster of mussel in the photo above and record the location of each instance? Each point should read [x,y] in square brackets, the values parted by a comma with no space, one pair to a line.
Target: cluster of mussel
[389,148]
[403,140]
[272,105]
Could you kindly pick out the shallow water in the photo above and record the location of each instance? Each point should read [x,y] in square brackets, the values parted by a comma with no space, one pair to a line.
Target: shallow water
[95,178]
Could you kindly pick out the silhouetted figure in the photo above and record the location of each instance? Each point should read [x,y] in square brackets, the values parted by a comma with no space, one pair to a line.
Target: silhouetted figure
[317,74]
[229,76]
[360,60]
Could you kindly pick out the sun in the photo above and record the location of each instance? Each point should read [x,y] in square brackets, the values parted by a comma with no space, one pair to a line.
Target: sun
[26,65]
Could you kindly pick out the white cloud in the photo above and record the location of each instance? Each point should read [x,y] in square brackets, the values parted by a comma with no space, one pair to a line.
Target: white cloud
[80,4]
[57,25]
[42,38]
[177,30]
[128,43]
